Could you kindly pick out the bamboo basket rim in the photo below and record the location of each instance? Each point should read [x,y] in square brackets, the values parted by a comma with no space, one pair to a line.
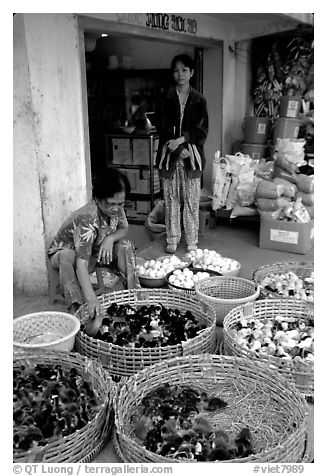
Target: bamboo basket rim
[101,423]
[137,386]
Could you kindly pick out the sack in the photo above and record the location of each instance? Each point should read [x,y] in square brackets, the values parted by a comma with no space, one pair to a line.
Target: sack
[282,173]
[290,189]
[305,183]
[268,189]
[307,198]
[272,204]
[283,163]
[291,150]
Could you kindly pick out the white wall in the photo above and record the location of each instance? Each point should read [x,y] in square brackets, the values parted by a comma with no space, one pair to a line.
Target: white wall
[50,177]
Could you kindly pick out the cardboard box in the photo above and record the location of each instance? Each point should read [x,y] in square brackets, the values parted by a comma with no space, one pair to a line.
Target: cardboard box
[121,151]
[286,236]
[141,152]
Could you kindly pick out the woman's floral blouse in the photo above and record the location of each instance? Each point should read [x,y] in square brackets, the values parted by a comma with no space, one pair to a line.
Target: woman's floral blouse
[85,230]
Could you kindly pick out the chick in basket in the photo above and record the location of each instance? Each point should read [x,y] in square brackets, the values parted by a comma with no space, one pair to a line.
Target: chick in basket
[94,234]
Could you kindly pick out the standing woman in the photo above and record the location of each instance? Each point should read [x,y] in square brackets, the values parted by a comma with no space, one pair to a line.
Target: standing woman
[182,124]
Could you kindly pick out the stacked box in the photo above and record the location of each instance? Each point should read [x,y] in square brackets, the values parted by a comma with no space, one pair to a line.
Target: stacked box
[121,151]
[141,152]
[286,236]
[143,209]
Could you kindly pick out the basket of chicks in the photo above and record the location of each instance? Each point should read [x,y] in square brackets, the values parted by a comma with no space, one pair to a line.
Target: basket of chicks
[184,280]
[289,279]
[207,260]
[140,327]
[62,407]
[153,273]
[278,333]
[212,408]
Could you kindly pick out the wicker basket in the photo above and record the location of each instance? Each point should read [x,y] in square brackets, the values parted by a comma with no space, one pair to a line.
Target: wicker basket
[125,361]
[302,269]
[261,399]
[226,292]
[84,444]
[300,373]
[60,327]
[186,290]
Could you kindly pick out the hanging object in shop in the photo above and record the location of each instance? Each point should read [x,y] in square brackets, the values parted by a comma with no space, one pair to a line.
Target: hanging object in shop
[164,21]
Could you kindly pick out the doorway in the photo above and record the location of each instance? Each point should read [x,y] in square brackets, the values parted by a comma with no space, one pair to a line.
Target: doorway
[122,66]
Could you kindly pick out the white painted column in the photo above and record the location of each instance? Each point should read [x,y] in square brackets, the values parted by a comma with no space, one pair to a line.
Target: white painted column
[50,159]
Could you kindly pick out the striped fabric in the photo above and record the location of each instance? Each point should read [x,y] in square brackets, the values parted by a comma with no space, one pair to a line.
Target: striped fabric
[168,160]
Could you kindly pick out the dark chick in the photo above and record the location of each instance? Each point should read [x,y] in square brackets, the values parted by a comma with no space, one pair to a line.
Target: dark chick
[243,443]
[220,447]
[214,404]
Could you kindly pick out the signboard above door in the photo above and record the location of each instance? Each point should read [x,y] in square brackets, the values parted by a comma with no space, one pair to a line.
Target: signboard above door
[165,21]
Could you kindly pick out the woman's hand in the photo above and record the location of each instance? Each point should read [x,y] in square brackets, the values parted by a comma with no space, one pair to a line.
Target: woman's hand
[184,154]
[93,307]
[105,255]
[173,144]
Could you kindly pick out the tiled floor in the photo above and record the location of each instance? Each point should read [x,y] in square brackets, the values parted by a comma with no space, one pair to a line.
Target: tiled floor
[239,240]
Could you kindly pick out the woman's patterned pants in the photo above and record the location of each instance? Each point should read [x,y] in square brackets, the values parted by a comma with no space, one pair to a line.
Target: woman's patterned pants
[177,191]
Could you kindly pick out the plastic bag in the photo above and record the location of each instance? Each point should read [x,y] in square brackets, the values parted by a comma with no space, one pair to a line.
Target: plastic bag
[218,179]
[300,213]
[221,180]
[291,150]
[246,187]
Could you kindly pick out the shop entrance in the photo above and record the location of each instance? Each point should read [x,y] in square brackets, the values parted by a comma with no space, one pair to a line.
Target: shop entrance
[122,69]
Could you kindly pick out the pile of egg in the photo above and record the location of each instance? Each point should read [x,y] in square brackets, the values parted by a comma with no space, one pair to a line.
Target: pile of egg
[160,267]
[186,278]
[210,259]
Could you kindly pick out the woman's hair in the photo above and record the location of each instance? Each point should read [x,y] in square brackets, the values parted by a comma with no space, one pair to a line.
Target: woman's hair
[109,181]
[185,59]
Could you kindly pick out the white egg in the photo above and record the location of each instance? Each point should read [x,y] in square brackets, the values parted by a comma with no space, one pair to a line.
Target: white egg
[152,273]
[152,263]
[177,282]
[165,261]
[172,278]
[141,270]
[188,284]
[146,264]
